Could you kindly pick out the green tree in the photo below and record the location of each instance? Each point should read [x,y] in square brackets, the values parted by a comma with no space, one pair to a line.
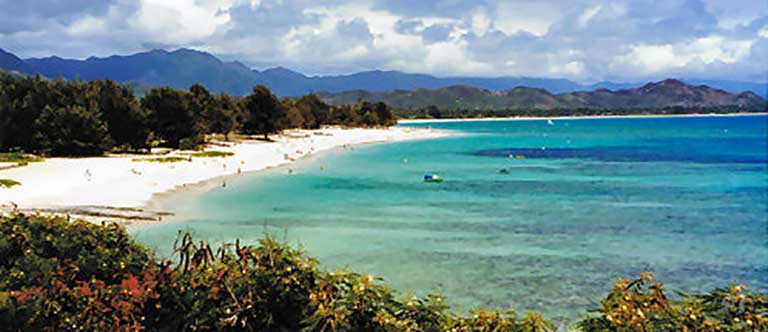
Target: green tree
[70,131]
[294,115]
[265,113]
[22,102]
[170,115]
[384,114]
[203,107]
[315,112]
[227,116]
[125,119]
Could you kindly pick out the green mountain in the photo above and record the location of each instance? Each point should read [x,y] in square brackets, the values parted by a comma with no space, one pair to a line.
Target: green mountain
[667,93]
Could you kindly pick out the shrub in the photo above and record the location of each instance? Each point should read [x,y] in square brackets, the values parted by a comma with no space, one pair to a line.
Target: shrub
[213,154]
[18,157]
[7,183]
[643,305]
[160,159]
[57,275]
[189,143]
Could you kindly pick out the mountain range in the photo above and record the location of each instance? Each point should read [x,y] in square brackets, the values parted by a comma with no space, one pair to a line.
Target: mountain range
[184,67]
[667,93]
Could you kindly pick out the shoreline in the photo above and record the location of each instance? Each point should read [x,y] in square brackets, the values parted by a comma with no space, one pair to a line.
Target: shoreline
[119,188]
[164,201]
[580,117]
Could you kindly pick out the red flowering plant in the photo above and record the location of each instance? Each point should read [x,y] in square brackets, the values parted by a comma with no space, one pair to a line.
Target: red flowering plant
[57,276]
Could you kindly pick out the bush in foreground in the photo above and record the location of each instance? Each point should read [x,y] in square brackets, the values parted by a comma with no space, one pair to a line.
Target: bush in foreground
[57,275]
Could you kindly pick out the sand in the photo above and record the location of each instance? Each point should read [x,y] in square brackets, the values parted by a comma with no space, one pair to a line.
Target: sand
[121,182]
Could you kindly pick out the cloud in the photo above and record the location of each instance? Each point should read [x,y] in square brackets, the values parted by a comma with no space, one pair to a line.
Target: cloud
[585,40]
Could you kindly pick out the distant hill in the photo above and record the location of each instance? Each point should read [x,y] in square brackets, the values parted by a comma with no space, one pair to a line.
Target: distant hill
[10,62]
[667,93]
[184,67]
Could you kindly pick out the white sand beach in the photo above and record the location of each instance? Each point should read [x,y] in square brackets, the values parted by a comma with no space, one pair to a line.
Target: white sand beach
[122,182]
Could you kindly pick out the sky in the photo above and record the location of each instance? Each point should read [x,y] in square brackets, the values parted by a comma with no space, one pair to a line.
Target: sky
[581,40]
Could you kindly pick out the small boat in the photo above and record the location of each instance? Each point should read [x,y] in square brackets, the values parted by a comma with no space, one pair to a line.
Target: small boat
[550,122]
[519,157]
[432,178]
[504,171]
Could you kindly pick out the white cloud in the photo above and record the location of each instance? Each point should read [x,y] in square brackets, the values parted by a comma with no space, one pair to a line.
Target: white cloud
[588,14]
[180,21]
[534,17]
[481,23]
[582,40]
[763,32]
[707,50]
[87,26]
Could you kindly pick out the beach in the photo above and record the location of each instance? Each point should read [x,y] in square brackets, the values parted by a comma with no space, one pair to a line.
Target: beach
[121,186]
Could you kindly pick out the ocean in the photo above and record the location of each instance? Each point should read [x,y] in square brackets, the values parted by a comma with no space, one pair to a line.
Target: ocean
[584,201]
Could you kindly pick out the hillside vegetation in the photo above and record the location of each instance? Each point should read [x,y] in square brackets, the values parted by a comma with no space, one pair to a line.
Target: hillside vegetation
[57,275]
[664,94]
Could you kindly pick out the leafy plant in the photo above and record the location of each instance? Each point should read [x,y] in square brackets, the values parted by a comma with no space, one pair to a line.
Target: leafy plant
[8,183]
[57,275]
[18,157]
[212,154]
[160,159]
[643,305]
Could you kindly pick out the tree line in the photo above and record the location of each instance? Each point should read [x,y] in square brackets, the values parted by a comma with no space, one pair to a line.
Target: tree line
[433,112]
[76,118]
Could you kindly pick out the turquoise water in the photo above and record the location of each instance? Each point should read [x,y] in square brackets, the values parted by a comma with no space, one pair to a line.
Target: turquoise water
[593,200]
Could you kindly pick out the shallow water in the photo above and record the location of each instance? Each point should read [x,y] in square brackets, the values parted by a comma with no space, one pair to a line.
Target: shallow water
[592,200]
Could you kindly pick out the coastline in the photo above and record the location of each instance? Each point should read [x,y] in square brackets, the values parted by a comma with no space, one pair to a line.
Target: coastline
[119,188]
[585,117]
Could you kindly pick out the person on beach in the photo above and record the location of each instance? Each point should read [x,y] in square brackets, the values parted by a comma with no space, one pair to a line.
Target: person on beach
[88,174]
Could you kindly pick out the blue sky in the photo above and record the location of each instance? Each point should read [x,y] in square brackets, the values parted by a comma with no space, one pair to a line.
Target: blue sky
[583,40]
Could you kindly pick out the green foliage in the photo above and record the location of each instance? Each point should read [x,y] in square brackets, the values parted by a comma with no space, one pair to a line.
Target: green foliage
[266,115]
[8,183]
[62,276]
[212,154]
[171,117]
[643,305]
[190,143]
[227,117]
[102,115]
[160,159]
[122,113]
[433,112]
[57,275]
[18,157]
[70,130]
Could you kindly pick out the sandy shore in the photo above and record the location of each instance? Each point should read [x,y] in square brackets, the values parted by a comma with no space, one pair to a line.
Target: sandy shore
[121,186]
[528,118]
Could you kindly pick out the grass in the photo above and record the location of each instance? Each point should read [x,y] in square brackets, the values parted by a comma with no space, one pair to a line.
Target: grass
[160,159]
[18,157]
[7,183]
[212,154]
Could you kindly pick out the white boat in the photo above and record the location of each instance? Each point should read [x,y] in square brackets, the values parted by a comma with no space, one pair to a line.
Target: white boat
[432,178]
